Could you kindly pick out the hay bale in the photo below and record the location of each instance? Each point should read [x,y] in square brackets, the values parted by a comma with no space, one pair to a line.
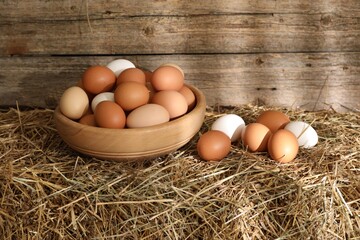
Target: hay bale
[49,191]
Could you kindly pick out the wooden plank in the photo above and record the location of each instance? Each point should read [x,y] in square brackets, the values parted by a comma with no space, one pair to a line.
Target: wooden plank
[311,81]
[187,34]
[35,10]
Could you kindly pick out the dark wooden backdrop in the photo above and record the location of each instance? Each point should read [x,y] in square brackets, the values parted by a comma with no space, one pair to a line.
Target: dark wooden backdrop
[280,53]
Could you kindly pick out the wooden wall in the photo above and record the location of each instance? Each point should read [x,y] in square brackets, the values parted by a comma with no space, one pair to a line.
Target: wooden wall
[276,52]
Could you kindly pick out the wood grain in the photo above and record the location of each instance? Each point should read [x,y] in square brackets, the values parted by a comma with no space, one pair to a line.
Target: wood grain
[188,34]
[35,10]
[291,53]
[311,81]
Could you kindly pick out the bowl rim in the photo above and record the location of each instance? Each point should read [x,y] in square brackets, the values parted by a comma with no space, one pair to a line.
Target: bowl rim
[198,108]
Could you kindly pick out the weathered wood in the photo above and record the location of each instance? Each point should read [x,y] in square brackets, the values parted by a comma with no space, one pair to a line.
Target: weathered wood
[186,34]
[311,81]
[278,52]
[35,10]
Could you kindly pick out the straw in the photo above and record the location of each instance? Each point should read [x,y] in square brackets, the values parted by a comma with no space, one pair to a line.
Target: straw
[49,191]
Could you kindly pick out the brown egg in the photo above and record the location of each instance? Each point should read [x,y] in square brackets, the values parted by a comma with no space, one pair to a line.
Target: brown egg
[255,137]
[175,66]
[274,120]
[130,95]
[90,95]
[147,115]
[173,101]
[109,115]
[167,78]
[74,103]
[283,146]
[189,96]
[131,75]
[213,145]
[97,79]
[88,119]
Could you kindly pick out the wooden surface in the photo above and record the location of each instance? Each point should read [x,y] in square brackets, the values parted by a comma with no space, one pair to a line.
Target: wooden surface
[285,53]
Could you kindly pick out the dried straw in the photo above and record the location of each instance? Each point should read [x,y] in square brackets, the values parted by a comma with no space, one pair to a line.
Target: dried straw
[49,191]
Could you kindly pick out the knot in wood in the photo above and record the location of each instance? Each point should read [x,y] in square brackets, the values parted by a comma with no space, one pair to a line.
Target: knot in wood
[259,61]
[149,31]
[326,20]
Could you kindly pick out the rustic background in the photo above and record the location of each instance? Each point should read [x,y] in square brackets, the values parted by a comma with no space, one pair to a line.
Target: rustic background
[285,53]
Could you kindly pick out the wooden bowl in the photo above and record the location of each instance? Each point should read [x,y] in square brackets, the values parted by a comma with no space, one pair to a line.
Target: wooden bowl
[132,144]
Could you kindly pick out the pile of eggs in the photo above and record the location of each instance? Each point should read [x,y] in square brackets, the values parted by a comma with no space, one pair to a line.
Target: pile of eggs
[120,95]
[272,132]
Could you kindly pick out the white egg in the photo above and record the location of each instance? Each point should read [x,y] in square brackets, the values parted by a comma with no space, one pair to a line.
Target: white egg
[230,124]
[105,96]
[306,134]
[119,65]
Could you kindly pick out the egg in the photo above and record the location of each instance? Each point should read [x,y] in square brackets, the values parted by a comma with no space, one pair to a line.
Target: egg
[173,101]
[147,115]
[105,96]
[131,75]
[130,95]
[167,78]
[189,96]
[213,145]
[74,102]
[175,66]
[88,119]
[119,65]
[97,79]
[283,146]
[305,134]
[256,137]
[109,115]
[230,124]
[90,95]
[274,120]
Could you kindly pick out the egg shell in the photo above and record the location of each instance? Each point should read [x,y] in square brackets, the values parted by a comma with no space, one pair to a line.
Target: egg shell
[230,124]
[167,78]
[109,115]
[173,101]
[256,137]
[147,115]
[98,79]
[105,96]
[175,66]
[189,96]
[119,65]
[274,120]
[305,134]
[283,146]
[74,102]
[89,120]
[131,75]
[130,95]
[213,145]
[90,95]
